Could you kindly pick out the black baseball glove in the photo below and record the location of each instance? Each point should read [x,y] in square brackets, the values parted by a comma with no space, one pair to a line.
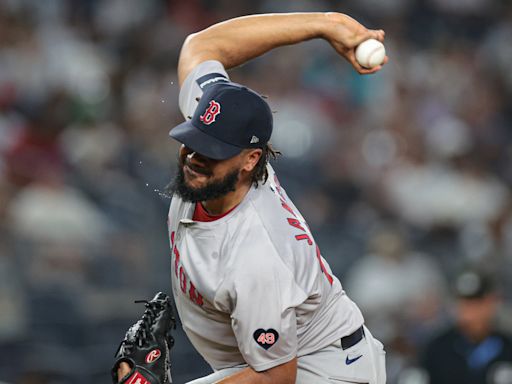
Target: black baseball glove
[147,343]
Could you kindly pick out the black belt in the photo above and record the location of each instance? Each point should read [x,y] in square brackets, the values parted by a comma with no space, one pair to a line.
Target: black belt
[352,339]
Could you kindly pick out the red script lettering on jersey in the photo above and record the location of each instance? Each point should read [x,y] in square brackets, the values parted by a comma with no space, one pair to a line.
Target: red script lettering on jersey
[185,283]
[294,222]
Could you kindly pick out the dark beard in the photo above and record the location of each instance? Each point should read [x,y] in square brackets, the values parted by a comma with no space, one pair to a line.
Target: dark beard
[213,190]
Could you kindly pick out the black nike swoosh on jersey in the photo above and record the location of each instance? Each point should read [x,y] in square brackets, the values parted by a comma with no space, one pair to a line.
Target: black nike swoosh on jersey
[350,361]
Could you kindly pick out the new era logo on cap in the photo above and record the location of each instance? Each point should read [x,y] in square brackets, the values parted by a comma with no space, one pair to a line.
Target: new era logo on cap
[228,119]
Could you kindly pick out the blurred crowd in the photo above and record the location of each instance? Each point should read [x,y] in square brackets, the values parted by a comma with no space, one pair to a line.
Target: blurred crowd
[404,176]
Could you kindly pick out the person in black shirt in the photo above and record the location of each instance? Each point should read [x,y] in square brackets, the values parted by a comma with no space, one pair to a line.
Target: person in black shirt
[471,351]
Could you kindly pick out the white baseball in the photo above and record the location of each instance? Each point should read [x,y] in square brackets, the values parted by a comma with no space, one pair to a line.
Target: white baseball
[370,53]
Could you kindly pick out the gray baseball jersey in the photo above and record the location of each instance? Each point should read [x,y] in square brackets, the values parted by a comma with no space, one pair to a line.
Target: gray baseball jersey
[251,287]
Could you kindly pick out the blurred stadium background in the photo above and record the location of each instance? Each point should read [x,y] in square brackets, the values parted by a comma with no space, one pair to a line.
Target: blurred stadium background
[404,176]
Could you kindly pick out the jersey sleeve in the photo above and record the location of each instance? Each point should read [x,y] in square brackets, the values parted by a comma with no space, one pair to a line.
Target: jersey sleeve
[204,75]
[263,316]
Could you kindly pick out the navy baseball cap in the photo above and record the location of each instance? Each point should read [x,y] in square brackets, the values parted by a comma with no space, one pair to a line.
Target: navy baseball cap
[473,284]
[228,119]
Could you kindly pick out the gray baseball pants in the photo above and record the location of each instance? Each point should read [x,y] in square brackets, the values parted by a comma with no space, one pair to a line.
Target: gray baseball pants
[363,363]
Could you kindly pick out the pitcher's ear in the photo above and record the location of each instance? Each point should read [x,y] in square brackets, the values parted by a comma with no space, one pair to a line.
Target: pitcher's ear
[251,158]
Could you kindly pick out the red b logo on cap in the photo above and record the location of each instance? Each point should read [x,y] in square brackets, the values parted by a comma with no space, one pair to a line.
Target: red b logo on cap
[211,112]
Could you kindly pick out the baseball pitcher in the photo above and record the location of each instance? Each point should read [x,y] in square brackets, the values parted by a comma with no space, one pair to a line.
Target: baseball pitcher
[254,294]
